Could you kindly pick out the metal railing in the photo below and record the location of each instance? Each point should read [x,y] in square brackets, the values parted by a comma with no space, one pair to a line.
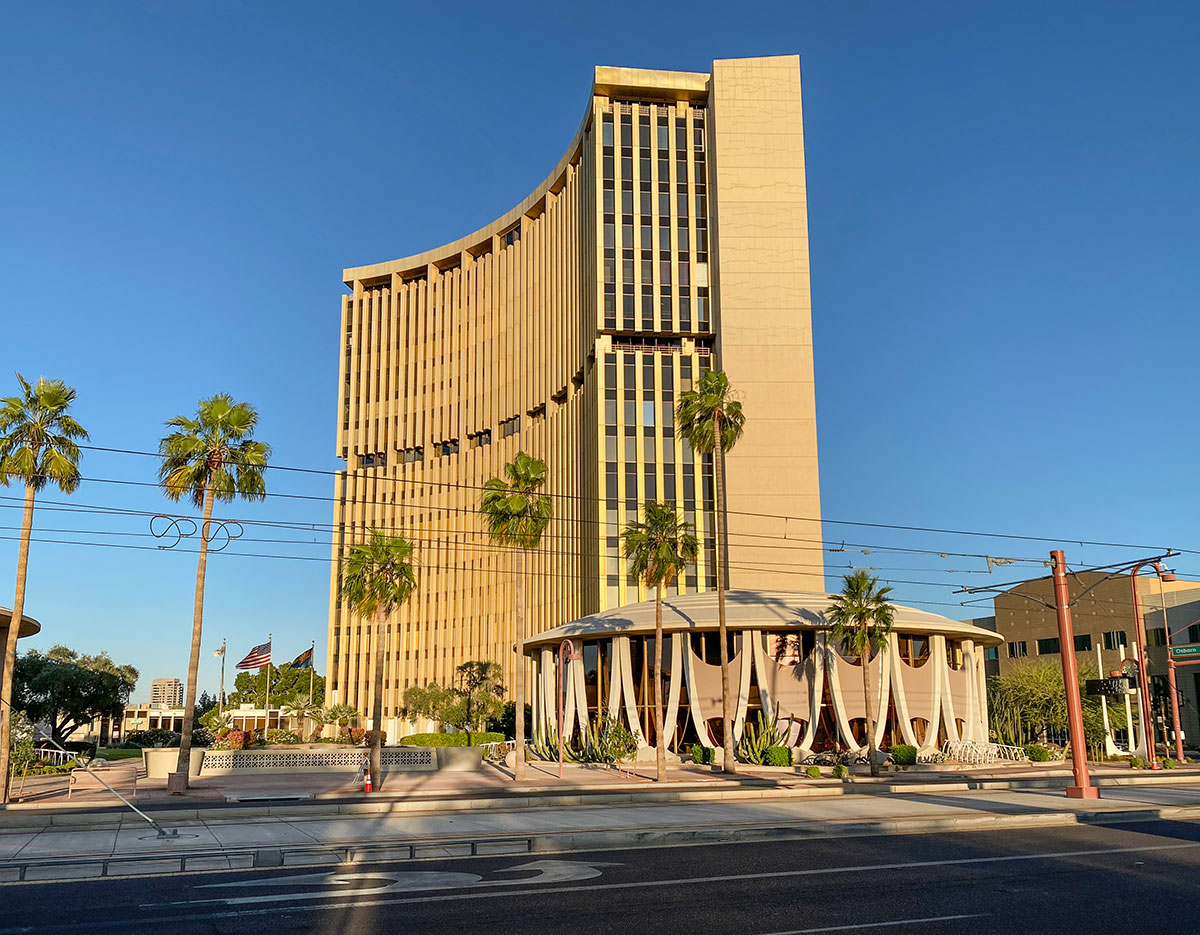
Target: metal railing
[973,753]
[57,757]
[497,750]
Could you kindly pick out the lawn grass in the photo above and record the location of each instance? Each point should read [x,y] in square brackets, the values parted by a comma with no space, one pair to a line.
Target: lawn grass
[118,753]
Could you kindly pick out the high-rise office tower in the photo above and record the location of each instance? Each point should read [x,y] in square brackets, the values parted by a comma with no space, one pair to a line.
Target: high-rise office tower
[671,238]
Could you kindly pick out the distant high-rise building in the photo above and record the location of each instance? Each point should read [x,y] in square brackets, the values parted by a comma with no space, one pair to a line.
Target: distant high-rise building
[166,693]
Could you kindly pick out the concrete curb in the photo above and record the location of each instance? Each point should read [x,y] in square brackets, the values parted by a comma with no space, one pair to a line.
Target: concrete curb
[13,821]
[247,858]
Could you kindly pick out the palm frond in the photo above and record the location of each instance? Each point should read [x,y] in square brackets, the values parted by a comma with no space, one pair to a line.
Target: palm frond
[214,451]
[513,510]
[38,436]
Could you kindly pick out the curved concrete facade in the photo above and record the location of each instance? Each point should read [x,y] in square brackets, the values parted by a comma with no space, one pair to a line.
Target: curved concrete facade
[670,238]
[29,626]
[929,685]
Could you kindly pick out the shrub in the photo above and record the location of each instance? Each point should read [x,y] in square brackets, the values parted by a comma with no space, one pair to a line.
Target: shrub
[904,754]
[1167,763]
[703,754]
[450,740]
[235,740]
[1136,762]
[840,771]
[46,768]
[778,756]
[813,772]
[155,737]
[1037,753]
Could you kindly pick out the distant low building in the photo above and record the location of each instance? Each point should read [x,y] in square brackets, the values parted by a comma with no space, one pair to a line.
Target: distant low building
[1105,633]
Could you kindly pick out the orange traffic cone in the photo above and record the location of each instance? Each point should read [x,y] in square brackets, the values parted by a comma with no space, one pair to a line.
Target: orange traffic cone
[367,783]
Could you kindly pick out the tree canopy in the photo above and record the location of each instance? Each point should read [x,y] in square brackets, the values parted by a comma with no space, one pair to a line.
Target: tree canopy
[287,685]
[66,690]
[476,698]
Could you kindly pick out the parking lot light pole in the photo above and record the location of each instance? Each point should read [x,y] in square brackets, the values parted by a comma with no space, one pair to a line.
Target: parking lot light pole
[1083,788]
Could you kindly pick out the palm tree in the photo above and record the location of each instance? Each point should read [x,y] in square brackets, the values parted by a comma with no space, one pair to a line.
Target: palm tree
[377,578]
[862,619]
[339,714]
[38,445]
[711,421]
[517,515]
[656,549]
[211,457]
[303,709]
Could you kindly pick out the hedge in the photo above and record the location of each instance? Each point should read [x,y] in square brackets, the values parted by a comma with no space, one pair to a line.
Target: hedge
[450,740]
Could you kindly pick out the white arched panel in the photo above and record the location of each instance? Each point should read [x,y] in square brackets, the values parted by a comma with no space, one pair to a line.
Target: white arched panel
[899,693]
[579,683]
[625,661]
[674,684]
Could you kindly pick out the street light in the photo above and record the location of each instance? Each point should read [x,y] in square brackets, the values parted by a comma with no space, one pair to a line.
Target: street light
[568,648]
[1143,668]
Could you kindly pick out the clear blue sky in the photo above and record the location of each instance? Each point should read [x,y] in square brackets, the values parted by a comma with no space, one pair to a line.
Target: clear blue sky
[1003,201]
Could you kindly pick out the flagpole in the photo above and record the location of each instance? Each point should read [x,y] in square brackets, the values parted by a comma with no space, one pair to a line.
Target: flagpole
[268,709]
[221,693]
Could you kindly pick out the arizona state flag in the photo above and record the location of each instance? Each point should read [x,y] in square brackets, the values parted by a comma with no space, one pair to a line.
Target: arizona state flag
[304,660]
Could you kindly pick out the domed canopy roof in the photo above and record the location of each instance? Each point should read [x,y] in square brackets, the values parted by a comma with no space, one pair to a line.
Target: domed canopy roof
[746,610]
[29,626]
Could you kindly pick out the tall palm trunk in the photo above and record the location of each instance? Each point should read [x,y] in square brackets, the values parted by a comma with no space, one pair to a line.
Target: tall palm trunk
[519,675]
[728,763]
[377,705]
[661,745]
[189,702]
[865,659]
[10,645]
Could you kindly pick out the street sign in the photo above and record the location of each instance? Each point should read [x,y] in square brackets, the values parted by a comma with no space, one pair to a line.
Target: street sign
[1114,687]
[1189,651]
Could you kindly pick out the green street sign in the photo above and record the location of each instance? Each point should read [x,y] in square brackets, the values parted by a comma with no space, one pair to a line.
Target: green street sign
[1186,652]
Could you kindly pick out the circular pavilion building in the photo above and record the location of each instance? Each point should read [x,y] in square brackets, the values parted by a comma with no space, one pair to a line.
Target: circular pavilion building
[928,686]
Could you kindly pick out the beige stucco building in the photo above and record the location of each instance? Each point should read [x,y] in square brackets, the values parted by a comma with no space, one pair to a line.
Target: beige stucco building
[671,237]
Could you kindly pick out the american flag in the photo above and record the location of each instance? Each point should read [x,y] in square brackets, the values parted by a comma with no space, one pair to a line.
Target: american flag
[258,657]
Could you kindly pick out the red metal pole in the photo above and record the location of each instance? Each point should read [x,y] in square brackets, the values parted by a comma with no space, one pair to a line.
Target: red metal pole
[1162,592]
[1083,788]
[1143,669]
[562,702]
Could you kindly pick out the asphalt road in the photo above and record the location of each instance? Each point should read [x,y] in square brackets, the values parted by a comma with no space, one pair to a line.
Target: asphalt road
[1136,878]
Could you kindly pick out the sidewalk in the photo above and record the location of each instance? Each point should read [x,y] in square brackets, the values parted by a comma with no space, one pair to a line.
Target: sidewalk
[299,836]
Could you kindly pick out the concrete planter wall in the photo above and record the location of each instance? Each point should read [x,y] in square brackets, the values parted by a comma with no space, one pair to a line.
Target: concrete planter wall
[162,760]
[316,758]
[459,758]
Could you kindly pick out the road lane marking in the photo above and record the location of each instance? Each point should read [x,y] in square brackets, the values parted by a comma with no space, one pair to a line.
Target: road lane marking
[878,925]
[397,881]
[592,887]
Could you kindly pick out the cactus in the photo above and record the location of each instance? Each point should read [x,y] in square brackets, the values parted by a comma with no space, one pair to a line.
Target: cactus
[756,741]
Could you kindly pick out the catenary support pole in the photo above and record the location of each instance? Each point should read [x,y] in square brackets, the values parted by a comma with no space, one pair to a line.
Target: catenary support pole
[1083,788]
[1171,684]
